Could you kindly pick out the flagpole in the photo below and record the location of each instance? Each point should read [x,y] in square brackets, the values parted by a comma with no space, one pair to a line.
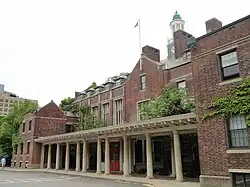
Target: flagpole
[140,36]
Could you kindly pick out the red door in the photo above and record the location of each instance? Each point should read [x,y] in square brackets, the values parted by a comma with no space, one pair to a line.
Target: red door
[114,157]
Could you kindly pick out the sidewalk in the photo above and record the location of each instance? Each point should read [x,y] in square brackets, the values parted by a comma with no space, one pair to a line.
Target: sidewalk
[151,182]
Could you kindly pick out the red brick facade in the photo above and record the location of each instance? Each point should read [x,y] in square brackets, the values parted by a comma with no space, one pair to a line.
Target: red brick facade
[213,133]
[47,121]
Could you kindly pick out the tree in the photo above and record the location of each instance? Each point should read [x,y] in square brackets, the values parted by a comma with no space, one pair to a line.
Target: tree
[67,104]
[172,101]
[93,85]
[9,126]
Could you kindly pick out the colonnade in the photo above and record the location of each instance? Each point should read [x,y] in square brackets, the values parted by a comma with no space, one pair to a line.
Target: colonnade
[126,167]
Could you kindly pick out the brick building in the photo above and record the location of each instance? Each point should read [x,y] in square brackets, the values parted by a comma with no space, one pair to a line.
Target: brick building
[46,121]
[181,145]
[221,60]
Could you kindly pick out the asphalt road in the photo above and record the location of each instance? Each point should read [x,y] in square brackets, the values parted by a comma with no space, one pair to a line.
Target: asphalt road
[33,179]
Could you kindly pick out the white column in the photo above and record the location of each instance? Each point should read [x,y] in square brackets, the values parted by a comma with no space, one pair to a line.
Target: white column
[67,156]
[107,157]
[99,156]
[78,156]
[84,157]
[49,158]
[57,156]
[149,156]
[42,157]
[121,157]
[125,153]
[177,153]
[172,158]
[129,156]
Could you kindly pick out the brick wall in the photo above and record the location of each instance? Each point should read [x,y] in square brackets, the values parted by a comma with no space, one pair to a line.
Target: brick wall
[133,94]
[212,134]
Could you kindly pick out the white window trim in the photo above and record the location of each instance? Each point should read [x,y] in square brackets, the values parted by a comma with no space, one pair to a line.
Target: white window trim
[137,107]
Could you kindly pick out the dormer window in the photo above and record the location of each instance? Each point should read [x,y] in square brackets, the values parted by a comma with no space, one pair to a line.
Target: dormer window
[118,82]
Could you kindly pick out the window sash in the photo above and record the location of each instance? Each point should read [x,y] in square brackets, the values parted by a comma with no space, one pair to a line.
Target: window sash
[229,59]
[241,179]
[239,138]
[230,71]
[181,84]
[143,82]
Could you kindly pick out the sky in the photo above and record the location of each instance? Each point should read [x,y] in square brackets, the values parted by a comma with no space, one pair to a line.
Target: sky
[49,49]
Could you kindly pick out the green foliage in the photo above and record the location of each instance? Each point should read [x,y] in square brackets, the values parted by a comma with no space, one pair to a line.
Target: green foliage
[93,85]
[87,119]
[67,104]
[9,126]
[236,102]
[173,101]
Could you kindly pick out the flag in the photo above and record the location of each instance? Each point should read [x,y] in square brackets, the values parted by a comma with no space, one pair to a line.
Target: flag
[137,23]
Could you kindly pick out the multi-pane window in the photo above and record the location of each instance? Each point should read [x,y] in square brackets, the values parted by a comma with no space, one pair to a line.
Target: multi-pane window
[105,114]
[238,131]
[30,123]
[28,148]
[141,115]
[143,82]
[23,127]
[241,179]
[118,112]
[181,84]
[21,148]
[95,114]
[229,65]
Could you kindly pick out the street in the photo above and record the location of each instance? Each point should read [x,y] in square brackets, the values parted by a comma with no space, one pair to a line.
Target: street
[29,179]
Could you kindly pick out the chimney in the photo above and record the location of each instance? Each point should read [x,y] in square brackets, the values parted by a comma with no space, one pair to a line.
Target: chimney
[152,53]
[180,42]
[213,24]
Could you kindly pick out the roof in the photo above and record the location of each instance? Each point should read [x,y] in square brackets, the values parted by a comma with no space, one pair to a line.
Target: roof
[70,114]
[224,27]
[176,16]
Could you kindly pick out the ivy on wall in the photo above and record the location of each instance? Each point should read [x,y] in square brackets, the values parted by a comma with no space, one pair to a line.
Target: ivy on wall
[236,102]
[87,119]
[172,101]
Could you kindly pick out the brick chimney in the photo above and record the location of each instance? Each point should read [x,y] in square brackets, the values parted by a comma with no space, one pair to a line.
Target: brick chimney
[151,53]
[213,24]
[180,42]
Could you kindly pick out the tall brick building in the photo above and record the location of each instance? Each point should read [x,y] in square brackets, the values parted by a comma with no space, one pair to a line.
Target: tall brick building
[181,145]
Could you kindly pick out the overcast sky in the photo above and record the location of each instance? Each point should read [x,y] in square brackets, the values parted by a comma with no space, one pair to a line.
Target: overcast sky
[51,48]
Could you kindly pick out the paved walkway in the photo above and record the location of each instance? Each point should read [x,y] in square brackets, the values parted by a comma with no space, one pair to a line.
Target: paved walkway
[151,182]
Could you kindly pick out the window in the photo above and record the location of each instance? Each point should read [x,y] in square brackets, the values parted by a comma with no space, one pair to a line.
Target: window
[141,116]
[21,148]
[95,114]
[229,65]
[105,114]
[238,131]
[30,122]
[118,112]
[28,148]
[143,82]
[181,84]
[118,82]
[23,127]
[241,179]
